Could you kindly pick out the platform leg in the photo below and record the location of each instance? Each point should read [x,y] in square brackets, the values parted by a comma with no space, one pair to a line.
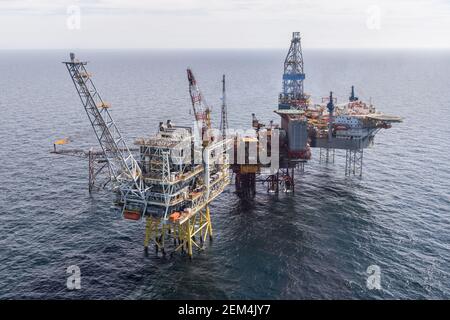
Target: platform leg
[189,238]
[208,219]
[148,231]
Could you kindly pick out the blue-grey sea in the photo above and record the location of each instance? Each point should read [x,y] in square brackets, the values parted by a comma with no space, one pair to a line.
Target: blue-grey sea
[316,243]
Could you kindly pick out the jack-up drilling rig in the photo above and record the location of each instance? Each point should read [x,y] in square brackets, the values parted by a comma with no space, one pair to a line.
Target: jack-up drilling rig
[304,125]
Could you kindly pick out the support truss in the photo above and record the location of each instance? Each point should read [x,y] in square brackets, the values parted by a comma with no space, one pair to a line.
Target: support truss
[354,162]
[124,169]
[98,165]
[326,155]
[182,236]
[282,180]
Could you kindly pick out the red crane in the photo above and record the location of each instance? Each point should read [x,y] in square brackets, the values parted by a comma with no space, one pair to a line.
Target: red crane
[202,111]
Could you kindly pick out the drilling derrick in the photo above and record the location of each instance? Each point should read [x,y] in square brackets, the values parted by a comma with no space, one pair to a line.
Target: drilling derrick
[202,112]
[293,96]
[124,169]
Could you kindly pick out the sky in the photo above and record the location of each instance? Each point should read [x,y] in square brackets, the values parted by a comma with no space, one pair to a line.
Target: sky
[107,24]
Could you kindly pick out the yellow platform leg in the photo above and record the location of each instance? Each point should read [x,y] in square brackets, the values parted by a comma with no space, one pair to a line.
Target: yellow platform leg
[189,238]
[148,232]
[208,219]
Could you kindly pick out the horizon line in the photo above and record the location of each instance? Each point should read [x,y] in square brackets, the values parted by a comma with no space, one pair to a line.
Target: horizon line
[235,48]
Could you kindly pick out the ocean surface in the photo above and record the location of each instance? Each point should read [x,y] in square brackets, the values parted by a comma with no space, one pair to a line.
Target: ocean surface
[315,243]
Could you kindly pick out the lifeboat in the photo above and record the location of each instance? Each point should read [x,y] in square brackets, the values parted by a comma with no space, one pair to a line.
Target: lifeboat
[340,127]
[132,215]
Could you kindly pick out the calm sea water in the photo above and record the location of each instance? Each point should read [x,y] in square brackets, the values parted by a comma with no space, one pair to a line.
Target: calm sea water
[316,243]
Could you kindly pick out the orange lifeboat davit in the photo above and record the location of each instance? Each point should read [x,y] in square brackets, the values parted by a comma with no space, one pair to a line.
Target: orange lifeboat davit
[175,216]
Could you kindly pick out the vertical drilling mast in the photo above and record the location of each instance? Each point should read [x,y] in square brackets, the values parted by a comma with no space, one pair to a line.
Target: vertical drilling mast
[124,169]
[224,115]
[293,76]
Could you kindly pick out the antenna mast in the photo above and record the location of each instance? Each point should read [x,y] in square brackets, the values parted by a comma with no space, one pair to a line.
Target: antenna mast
[224,116]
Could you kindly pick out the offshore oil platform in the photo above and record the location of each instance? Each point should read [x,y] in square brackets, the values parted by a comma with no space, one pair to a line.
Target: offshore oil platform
[328,126]
[170,178]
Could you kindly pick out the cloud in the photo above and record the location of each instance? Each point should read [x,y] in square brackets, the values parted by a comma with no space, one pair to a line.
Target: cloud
[118,7]
[225,23]
[100,7]
[251,8]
